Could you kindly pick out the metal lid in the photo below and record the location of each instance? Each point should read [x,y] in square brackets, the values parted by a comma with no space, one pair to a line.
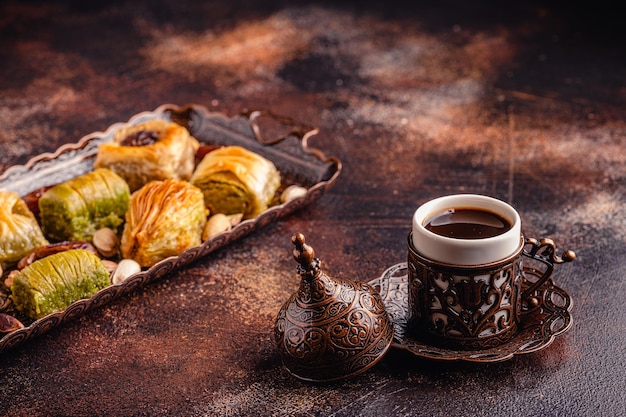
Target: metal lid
[331,328]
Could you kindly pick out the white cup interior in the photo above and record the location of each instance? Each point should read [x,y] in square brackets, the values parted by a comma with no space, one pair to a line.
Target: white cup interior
[470,252]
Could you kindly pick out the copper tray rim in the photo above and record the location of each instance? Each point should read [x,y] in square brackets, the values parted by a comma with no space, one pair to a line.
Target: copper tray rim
[536,330]
[11,340]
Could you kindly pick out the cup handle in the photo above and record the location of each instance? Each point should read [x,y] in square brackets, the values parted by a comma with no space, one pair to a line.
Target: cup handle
[544,251]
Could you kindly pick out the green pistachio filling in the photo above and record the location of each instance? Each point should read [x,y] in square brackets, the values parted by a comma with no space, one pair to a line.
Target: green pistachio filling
[56,281]
[75,209]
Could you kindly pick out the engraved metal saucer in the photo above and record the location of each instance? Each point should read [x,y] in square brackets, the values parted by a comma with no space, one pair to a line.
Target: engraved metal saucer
[540,325]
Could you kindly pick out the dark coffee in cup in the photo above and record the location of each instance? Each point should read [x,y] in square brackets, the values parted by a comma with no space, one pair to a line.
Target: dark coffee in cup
[467,223]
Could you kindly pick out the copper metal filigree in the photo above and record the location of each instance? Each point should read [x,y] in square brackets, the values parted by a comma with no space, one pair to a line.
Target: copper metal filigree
[468,308]
[476,307]
[538,326]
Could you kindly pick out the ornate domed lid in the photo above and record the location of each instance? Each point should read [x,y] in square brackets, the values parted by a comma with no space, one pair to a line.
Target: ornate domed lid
[330,328]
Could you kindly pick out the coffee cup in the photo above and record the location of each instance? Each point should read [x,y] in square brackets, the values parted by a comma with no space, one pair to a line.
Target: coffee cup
[467,287]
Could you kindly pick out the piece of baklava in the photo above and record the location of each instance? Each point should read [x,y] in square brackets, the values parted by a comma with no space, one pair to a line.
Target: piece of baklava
[236,180]
[164,219]
[52,283]
[154,150]
[75,209]
[19,231]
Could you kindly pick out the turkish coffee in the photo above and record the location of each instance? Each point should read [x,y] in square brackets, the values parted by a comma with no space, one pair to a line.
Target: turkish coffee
[467,223]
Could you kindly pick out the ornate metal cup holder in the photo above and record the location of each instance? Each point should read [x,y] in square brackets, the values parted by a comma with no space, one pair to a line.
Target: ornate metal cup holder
[540,324]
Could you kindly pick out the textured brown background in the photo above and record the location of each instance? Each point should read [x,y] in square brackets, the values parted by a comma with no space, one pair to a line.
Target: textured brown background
[526,104]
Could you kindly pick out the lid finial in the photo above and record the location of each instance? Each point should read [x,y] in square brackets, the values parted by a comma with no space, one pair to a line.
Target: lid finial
[304,254]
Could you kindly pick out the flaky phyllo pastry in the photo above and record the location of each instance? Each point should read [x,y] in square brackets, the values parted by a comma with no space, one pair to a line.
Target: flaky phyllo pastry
[154,150]
[236,180]
[19,231]
[164,219]
[52,283]
[75,209]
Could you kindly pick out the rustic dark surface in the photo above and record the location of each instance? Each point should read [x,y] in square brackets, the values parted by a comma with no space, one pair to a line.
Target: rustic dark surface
[527,104]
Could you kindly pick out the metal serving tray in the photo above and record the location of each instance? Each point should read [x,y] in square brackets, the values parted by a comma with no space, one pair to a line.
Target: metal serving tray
[281,140]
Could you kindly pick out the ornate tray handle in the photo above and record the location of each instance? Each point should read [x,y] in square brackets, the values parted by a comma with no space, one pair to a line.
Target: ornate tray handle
[271,133]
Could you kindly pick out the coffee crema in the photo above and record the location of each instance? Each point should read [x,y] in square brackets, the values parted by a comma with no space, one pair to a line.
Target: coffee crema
[467,223]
